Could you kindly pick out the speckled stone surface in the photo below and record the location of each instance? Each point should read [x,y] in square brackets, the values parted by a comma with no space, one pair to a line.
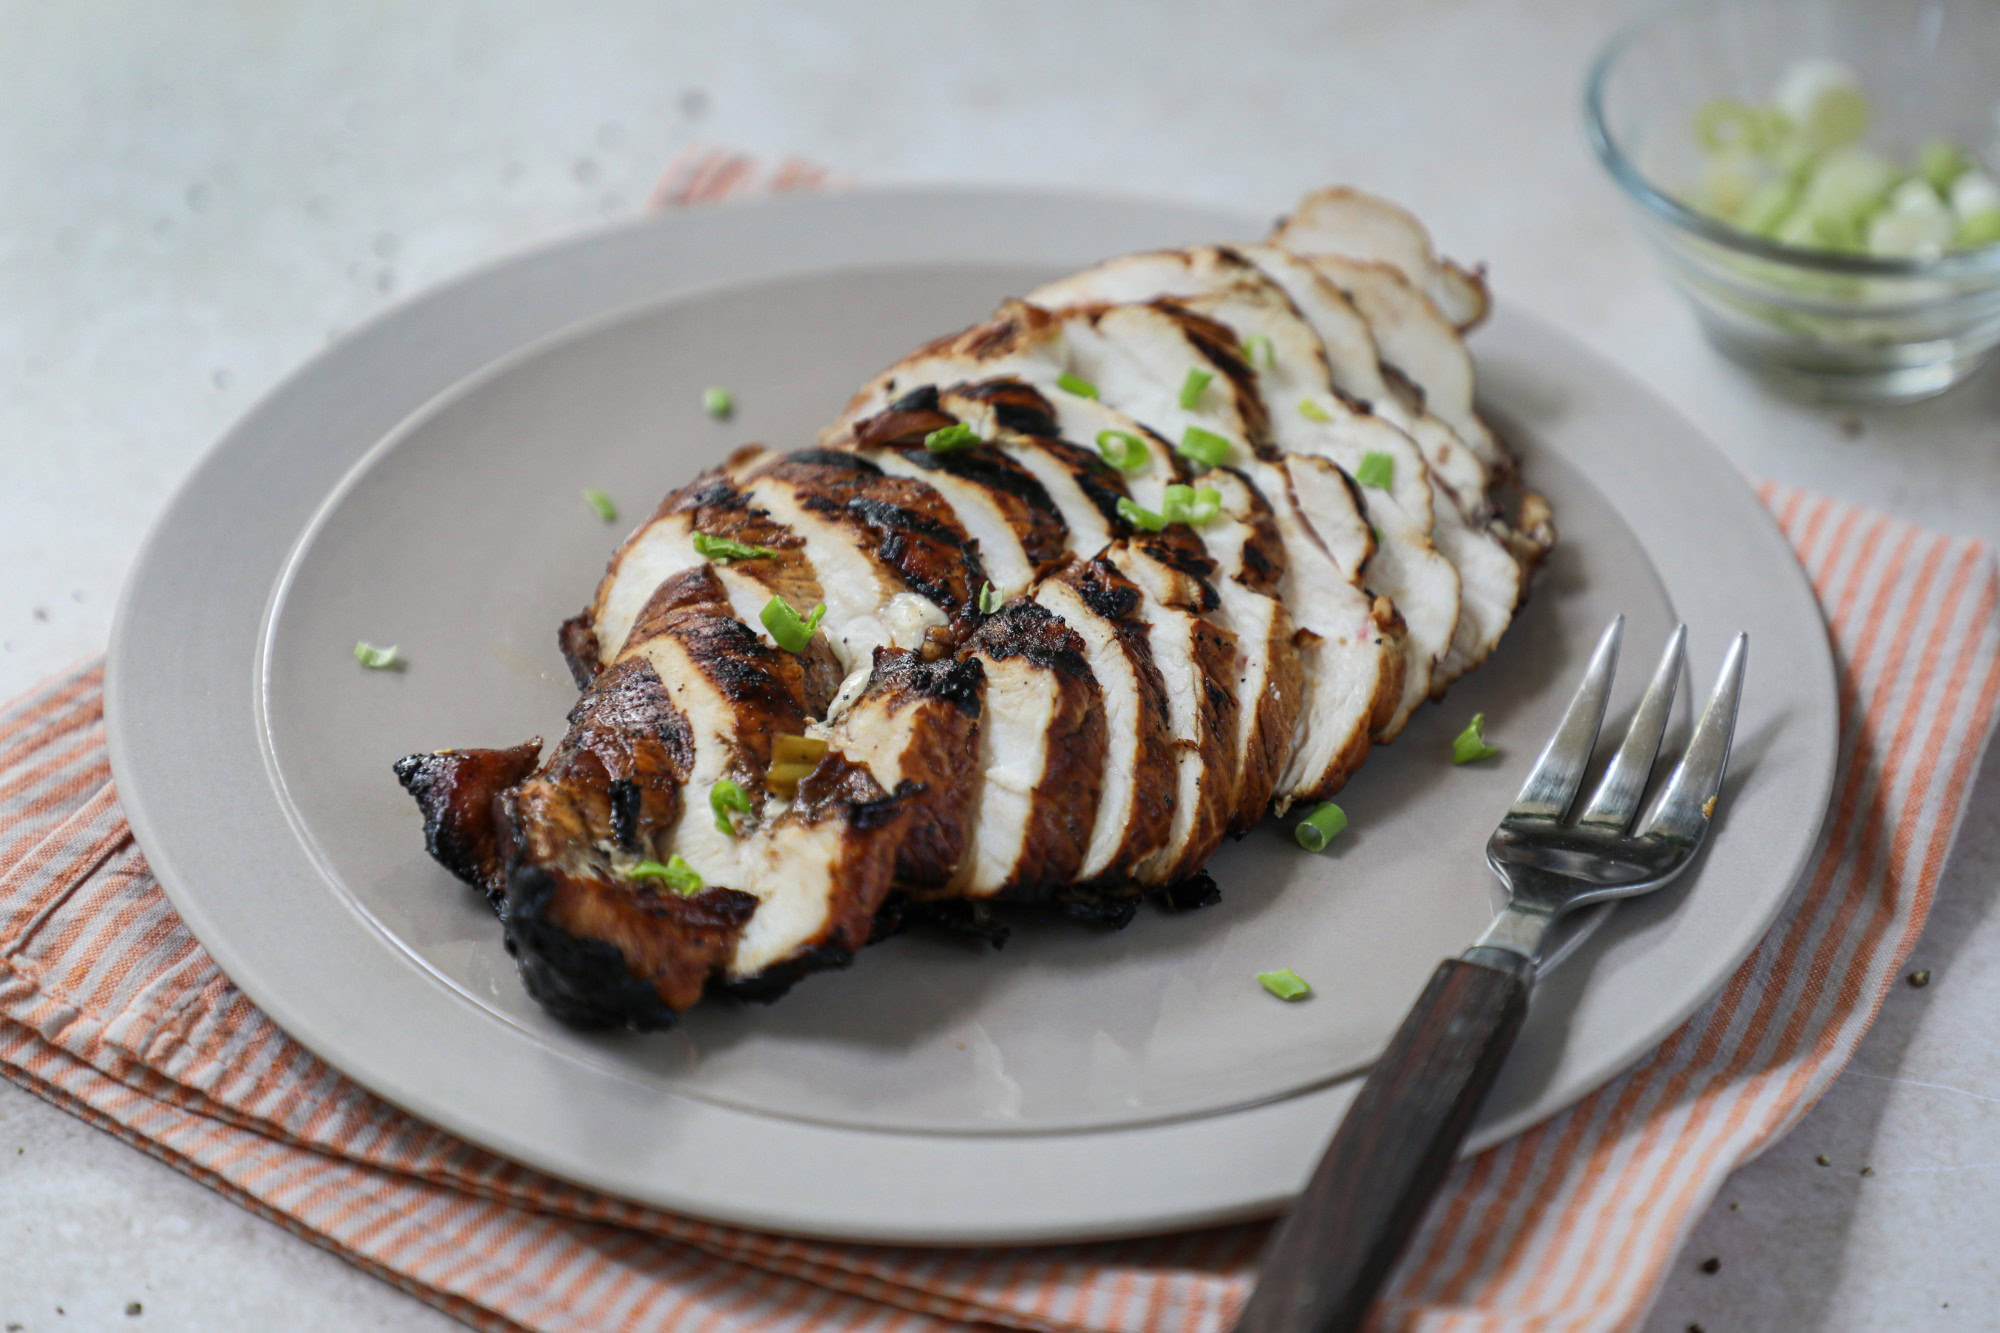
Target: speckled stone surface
[196,197]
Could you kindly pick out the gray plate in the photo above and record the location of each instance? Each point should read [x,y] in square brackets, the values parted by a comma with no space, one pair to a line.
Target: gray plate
[419,484]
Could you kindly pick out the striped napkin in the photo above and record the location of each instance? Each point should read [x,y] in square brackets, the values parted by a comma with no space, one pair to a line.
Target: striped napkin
[110,1009]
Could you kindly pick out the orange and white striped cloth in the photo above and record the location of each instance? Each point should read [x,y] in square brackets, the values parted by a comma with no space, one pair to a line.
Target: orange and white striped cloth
[110,1008]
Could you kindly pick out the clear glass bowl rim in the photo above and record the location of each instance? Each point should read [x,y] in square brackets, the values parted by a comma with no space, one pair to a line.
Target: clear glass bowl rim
[1984,261]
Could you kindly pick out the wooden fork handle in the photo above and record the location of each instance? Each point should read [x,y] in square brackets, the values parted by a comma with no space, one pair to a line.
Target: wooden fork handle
[1331,1254]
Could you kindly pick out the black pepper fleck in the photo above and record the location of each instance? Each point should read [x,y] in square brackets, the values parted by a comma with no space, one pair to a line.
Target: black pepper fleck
[1735,1207]
[1867,1170]
[1711,1265]
[1824,1160]
[134,1308]
[1695,1328]
[1920,978]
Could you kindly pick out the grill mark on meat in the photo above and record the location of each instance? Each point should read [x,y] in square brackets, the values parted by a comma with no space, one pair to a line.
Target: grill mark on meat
[912,530]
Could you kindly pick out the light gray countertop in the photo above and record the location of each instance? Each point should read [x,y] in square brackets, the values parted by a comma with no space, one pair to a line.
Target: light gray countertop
[194,198]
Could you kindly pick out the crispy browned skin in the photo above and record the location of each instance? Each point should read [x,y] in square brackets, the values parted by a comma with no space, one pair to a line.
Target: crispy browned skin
[459,793]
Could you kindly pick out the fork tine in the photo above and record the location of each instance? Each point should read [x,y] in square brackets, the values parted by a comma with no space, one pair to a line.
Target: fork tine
[1552,784]
[1616,799]
[1683,809]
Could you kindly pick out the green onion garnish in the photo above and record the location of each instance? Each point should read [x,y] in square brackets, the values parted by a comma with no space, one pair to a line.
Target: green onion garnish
[1204,446]
[684,878]
[1191,504]
[725,550]
[1377,469]
[949,439]
[1470,745]
[1077,385]
[1284,983]
[718,402]
[378,659]
[1122,449]
[725,798]
[601,502]
[1191,387]
[1257,350]
[1322,824]
[1139,517]
[1312,411]
[791,633]
[990,599]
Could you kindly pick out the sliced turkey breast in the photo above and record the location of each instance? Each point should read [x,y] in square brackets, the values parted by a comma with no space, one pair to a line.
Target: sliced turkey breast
[1350,645]
[1351,222]
[1491,578]
[1292,375]
[1100,588]
[1421,347]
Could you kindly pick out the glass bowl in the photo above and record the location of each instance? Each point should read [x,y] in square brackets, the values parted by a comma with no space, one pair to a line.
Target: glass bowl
[1833,325]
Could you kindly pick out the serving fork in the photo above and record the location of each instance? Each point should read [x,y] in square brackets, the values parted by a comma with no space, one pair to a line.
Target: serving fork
[1330,1255]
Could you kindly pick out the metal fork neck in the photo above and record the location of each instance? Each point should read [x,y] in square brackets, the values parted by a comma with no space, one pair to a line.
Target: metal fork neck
[1514,940]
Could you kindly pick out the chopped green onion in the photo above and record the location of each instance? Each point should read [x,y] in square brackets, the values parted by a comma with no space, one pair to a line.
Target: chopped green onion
[990,599]
[1825,101]
[1194,505]
[1322,824]
[717,401]
[1191,387]
[1077,385]
[1470,745]
[725,798]
[601,502]
[1979,229]
[1204,446]
[1138,517]
[725,550]
[1122,449]
[1284,983]
[949,439]
[1312,411]
[1940,162]
[684,878]
[1377,469]
[1258,351]
[378,659]
[1721,123]
[791,633]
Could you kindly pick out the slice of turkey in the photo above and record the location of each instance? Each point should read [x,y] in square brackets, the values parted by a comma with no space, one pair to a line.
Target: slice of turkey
[1346,221]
